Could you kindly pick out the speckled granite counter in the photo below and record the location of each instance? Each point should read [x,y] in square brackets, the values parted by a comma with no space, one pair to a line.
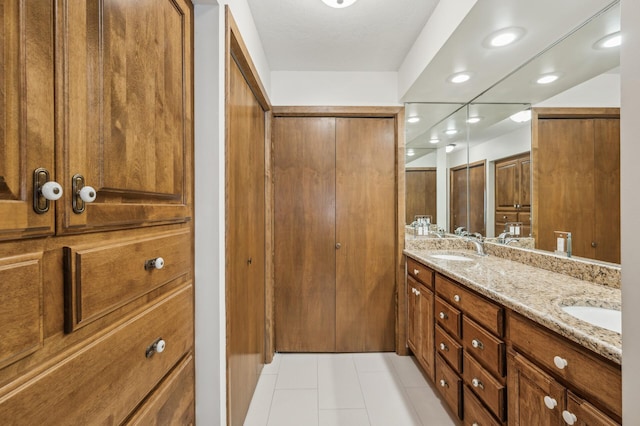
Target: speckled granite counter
[535,293]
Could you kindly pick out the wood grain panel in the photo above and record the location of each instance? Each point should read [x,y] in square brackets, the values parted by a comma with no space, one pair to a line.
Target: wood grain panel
[507,184]
[21,309]
[587,414]
[474,412]
[489,350]
[365,224]
[450,386]
[448,317]
[477,203]
[27,132]
[448,349]
[426,351]
[304,232]
[458,198]
[413,316]
[420,194]
[491,391]
[420,272]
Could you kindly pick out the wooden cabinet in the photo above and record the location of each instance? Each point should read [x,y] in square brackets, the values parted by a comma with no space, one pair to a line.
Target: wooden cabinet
[420,193]
[513,193]
[420,334]
[92,322]
[334,232]
[471,196]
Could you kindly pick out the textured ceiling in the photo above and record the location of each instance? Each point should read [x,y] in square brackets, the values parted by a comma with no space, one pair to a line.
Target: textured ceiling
[307,35]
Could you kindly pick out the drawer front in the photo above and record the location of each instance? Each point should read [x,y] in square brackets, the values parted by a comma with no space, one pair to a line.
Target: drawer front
[449,385]
[173,403]
[504,217]
[487,313]
[21,315]
[595,378]
[420,272]
[449,349]
[110,376]
[474,412]
[490,390]
[586,414]
[448,317]
[485,347]
[100,279]
[525,218]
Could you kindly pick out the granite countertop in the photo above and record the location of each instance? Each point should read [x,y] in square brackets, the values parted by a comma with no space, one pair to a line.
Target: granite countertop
[535,293]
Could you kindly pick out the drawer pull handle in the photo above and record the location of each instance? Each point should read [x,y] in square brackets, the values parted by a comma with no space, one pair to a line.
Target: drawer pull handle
[550,402]
[44,190]
[444,347]
[443,383]
[456,298]
[158,346]
[416,272]
[417,292]
[157,263]
[477,344]
[569,418]
[443,315]
[477,383]
[560,362]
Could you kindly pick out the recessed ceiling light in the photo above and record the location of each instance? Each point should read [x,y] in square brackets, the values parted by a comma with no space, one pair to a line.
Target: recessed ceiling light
[411,152]
[504,37]
[609,41]
[459,77]
[473,120]
[522,116]
[450,147]
[339,4]
[413,119]
[547,78]
[434,140]
[451,132]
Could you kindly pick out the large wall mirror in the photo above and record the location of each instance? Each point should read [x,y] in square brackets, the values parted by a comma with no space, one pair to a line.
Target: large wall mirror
[542,154]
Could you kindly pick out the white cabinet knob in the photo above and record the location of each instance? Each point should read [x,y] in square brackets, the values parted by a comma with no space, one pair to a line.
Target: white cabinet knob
[156,347]
[416,272]
[157,263]
[477,383]
[160,345]
[474,424]
[443,383]
[477,344]
[550,402]
[417,292]
[569,418]
[51,190]
[443,315]
[456,298]
[560,363]
[87,194]
[443,347]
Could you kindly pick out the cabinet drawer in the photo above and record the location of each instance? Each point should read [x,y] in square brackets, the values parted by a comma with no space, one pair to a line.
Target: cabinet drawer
[586,414]
[487,349]
[474,412]
[525,218]
[449,385]
[100,279]
[487,313]
[449,349]
[593,377]
[110,376]
[504,217]
[21,317]
[173,402]
[490,390]
[448,317]
[420,272]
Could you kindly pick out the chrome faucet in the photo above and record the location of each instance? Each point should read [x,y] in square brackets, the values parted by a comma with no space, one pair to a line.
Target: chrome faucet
[478,240]
[506,239]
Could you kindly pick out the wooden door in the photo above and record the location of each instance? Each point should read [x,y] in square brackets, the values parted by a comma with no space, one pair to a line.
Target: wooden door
[305,233]
[607,189]
[507,176]
[458,198]
[477,176]
[245,284]
[427,338]
[413,316]
[365,223]
[124,116]
[524,184]
[473,194]
[27,131]
[420,194]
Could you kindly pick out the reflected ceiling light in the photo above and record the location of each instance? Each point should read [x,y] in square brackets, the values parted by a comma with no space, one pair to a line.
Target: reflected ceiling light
[459,77]
[609,41]
[522,116]
[451,132]
[339,4]
[504,37]
[434,140]
[450,147]
[413,119]
[547,78]
[411,152]
[473,120]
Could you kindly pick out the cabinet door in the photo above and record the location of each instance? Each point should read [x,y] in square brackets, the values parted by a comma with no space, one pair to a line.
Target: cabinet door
[534,397]
[26,114]
[124,111]
[413,316]
[524,186]
[586,414]
[426,341]
[420,194]
[507,184]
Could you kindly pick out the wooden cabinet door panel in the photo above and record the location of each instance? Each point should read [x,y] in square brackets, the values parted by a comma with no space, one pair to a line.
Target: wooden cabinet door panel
[507,184]
[413,316]
[124,111]
[27,131]
[420,194]
[427,338]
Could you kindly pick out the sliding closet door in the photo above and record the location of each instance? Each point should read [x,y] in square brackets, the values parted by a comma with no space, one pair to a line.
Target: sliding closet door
[304,191]
[365,233]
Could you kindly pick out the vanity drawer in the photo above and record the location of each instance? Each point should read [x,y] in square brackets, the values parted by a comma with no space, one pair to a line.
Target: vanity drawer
[100,279]
[449,349]
[420,272]
[594,377]
[586,413]
[490,390]
[112,373]
[474,412]
[488,349]
[449,385]
[487,313]
[448,317]
[504,217]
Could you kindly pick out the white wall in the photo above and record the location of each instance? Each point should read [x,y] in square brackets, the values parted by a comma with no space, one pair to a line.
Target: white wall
[600,91]
[630,206]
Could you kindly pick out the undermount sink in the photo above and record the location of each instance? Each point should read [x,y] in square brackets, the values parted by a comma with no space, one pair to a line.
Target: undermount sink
[452,257]
[611,319]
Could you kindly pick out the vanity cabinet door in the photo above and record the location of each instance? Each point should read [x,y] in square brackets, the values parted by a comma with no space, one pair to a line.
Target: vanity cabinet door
[585,413]
[427,342]
[413,316]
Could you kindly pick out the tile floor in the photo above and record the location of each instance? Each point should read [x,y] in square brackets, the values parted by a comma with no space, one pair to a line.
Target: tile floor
[345,389]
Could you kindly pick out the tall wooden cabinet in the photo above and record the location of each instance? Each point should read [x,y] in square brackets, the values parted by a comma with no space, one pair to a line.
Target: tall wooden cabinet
[335,228]
[513,193]
[420,193]
[96,287]
[467,197]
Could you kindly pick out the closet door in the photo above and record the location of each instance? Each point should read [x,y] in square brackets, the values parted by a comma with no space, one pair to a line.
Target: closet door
[305,245]
[365,230]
